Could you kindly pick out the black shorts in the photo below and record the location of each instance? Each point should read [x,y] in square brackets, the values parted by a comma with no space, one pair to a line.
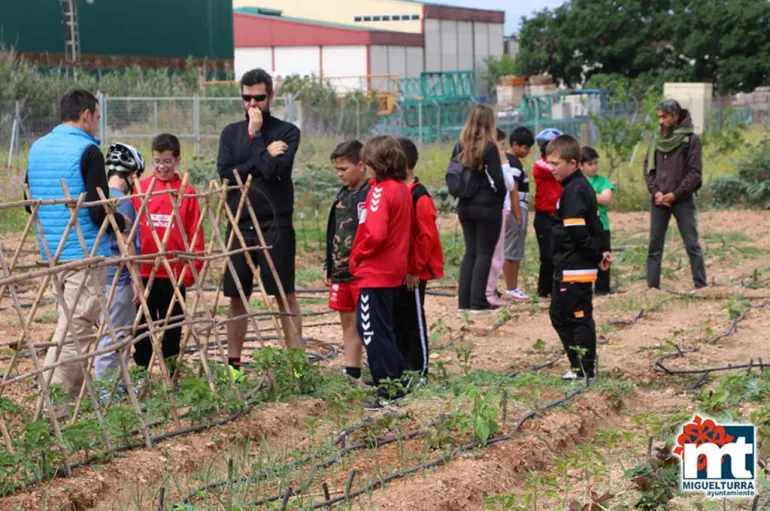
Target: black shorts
[284,246]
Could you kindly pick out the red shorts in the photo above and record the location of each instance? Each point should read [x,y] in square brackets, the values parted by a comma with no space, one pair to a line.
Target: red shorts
[343,297]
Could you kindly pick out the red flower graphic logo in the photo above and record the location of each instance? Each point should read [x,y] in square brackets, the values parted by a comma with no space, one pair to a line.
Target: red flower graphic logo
[699,432]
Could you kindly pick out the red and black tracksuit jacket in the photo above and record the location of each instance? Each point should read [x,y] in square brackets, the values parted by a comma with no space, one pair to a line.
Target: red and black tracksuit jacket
[379,263]
[578,245]
[577,239]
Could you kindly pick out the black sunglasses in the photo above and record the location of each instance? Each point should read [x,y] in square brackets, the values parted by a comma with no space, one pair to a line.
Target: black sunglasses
[256,97]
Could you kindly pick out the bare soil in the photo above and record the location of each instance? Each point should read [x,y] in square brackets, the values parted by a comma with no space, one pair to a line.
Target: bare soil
[627,354]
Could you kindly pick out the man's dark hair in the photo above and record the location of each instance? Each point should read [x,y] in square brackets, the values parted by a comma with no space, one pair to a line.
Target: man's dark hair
[74,103]
[384,155]
[167,142]
[410,150]
[255,77]
[567,146]
[587,154]
[500,135]
[523,137]
[350,150]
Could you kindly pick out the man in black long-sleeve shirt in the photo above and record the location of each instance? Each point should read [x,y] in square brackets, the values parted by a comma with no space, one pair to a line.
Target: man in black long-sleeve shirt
[262,147]
[70,152]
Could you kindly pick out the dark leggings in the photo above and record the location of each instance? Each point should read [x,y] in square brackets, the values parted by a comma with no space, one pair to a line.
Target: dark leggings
[481,230]
[158,301]
[543,224]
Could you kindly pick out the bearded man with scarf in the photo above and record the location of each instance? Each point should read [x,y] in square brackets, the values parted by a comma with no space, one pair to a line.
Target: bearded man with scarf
[673,170]
[263,147]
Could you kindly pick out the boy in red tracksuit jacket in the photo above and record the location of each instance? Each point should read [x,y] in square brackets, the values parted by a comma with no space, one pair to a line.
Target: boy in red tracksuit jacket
[547,192]
[165,158]
[426,262]
[378,261]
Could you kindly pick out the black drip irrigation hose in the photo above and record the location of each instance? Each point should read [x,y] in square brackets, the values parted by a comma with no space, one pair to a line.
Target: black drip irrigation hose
[172,434]
[343,451]
[137,445]
[657,365]
[438,461]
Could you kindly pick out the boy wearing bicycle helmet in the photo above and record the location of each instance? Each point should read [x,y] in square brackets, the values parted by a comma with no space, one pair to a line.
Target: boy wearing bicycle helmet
[547,192]
[124,165]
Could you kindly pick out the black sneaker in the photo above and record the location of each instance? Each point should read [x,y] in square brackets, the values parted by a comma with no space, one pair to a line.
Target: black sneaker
[375,404]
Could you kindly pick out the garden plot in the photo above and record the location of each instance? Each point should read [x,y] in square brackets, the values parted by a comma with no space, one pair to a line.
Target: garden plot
[496,427]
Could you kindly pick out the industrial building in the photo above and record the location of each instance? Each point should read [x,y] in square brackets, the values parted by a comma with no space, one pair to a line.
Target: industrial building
[447,38]
[105,34]
[354,58]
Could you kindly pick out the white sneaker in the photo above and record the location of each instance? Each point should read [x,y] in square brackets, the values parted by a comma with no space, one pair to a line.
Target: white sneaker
[517,295]
[569,375]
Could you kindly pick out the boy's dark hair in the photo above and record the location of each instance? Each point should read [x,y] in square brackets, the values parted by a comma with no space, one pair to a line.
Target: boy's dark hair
[167,142]
[350,150]
[588,153]
[255,77]
[523,137]
[410,151]
[567,146]
[500,135]
[384,155]
[74,103]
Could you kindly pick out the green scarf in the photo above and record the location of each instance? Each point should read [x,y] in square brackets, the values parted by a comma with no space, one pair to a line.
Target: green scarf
[666,144]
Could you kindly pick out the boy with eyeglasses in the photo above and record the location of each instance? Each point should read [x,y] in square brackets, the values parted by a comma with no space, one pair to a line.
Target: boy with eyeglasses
[160,212]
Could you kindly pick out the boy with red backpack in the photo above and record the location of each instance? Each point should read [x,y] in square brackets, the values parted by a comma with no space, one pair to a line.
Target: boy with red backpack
[426,262]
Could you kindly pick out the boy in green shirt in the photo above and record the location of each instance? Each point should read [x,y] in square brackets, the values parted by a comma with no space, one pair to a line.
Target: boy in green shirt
[590,165]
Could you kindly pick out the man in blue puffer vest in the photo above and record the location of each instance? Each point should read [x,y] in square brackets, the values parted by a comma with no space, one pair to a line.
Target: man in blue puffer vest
[71,152]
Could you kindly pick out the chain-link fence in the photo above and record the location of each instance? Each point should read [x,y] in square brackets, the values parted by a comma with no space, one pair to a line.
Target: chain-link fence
[199,120]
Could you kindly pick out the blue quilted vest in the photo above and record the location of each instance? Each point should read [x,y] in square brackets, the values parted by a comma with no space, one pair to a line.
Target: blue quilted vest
[52,158]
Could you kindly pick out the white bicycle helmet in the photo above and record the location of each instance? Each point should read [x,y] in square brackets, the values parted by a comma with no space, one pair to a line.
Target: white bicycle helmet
[123,159]
[547,135]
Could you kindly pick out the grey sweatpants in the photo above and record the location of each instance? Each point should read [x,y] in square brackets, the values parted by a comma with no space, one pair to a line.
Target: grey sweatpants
[684,212]
[122,314]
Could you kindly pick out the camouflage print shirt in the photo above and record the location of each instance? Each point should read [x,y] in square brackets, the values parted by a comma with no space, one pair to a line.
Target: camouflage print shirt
[341,231]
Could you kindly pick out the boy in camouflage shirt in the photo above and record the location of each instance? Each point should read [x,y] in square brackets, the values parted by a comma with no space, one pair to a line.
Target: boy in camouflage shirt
[340,233]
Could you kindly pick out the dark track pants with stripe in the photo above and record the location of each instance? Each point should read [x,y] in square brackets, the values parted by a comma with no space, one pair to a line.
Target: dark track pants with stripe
[374,320]
[572,315]
[411,329]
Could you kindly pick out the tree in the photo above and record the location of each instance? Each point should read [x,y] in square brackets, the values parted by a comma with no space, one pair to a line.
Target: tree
[504,66]
[727,41]
[719,41]
[620,134]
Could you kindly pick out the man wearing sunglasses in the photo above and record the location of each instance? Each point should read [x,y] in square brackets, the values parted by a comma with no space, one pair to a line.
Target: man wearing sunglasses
[263,147]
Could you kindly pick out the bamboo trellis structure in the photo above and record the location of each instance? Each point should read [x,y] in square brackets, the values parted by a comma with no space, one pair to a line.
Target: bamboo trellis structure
[199,319]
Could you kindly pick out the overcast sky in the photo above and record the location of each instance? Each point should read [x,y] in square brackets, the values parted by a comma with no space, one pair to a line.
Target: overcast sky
[514,9]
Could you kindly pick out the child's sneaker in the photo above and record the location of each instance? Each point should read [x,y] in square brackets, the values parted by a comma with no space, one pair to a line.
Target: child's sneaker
[378,403]
[236,373]
[517,294]
[570,375]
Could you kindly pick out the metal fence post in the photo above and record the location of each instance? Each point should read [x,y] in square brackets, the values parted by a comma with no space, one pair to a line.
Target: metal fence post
[17,139]
[197,123]
[155,117]
[103,120]
[358,118]
[14,135]
[419,122]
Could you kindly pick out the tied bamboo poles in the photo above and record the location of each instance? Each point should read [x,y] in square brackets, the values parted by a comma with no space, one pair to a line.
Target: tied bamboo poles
[199,321]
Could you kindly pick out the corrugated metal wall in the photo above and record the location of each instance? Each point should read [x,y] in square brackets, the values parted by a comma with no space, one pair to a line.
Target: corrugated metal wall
[153,28]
